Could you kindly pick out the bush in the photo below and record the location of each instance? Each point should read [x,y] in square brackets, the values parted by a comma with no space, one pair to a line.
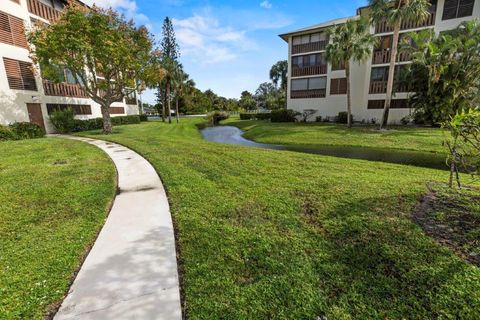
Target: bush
[406,120]
[284,115]
[63,120]
[7,134]
[246,116]
[263,116]
[134,119]
[143,117]
[215,117]
[318,119]
[342,117]
[27,130]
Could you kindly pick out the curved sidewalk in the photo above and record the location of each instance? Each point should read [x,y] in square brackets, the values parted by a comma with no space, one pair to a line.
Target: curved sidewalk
[131,271]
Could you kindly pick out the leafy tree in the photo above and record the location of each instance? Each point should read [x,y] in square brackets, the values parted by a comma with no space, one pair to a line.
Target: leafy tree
[279,74]
[265,95]
[394,13]
[445,71]
[108,56]
[170,53]
[350,41]
[183,86]
[464,143]
[247,101]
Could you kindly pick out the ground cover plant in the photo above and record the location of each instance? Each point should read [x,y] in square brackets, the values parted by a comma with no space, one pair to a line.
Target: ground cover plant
[54,195]
[315,135]
[270,234]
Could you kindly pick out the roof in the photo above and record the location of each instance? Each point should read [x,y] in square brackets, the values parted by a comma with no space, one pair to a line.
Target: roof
[322,25]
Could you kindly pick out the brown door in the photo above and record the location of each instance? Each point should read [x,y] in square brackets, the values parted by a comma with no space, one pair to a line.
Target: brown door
[35,114]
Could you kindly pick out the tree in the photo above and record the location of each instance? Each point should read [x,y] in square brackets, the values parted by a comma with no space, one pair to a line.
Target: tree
[108,56]
[464,143]
[394,13]
[247,102]
[279,74]
[350,41]
[170,53]
[445,72]
[264,95]
[183,86]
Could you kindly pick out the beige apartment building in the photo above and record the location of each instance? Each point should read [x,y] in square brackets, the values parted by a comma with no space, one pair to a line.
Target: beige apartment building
[24,94]
[315,84]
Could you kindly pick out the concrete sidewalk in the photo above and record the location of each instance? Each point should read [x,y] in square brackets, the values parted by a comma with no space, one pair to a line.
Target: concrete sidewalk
[131,271]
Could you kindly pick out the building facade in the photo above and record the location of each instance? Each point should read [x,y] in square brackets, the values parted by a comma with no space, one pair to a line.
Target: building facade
[315,84]
[24,95]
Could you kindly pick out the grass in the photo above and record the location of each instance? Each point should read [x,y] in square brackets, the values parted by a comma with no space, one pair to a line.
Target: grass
[282,235]
[314,135]
[54,194]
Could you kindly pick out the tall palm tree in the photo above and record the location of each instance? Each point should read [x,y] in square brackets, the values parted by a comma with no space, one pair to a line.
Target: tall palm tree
[279,73]
[394,12]
[183,86]
[171,68]
[350,41]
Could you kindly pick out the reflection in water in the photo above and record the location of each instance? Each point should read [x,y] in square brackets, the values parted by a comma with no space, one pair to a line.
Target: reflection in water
[233,135]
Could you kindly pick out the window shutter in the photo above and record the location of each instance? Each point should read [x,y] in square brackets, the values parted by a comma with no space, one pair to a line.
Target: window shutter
[338,86]
[20,75]
[12,30]
[5,30]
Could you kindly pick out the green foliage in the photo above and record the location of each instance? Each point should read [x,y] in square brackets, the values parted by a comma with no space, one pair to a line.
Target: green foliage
[464,143]
[143,117]
[284,115]
[247,116]
[445,72]
[279,73]
[342,117]
[54,194]
[255,116]
[247,101]
[215,117]
[27,130]
[63,120]
[6,133]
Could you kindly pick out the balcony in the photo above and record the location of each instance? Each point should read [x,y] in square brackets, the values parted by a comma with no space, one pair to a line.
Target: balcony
[380,87]
[309,71]
[42,10]
[63,89]
[384,27]
[307,94]
[309,47]
[383,56]
[131,101]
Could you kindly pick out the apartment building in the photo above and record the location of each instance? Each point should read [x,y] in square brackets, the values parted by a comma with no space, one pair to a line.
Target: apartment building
[24,95]
[315,84]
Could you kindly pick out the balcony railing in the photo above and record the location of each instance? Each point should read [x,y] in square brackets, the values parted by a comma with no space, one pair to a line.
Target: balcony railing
[383,56]
[309,71]
[379,87]
[63,89]
[309,47]
[383,27]
[306,94]
[132,101]
[42,10]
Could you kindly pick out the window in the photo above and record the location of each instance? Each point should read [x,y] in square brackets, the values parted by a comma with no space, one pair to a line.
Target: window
[12,30]
[317,83]
[117,110]
[309,38]
[396,104]
[62,74]
[338,86]
[379,74]
[131,97]
[77,108]
[299,84]
[308,60]
[20,75]
[457,8]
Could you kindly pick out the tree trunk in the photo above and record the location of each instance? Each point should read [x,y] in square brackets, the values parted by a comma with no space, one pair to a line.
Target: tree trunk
[453,166]
[176,109]
[164,102]
[349,98]
[168,103]
[107,121]
[391,74]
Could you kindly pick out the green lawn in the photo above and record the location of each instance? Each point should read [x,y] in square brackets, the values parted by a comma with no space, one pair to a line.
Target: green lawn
[269,234]
[54,195]
[313,135]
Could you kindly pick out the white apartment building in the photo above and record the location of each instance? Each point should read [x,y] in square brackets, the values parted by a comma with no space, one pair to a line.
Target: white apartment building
[24,95]
[315,84]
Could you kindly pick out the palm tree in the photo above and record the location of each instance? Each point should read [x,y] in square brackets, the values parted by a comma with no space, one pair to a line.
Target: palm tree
[171,68]
[350,41]
[279,73]
[394,12]
[183,86]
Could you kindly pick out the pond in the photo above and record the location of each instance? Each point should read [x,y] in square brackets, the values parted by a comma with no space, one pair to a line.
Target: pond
[233,135]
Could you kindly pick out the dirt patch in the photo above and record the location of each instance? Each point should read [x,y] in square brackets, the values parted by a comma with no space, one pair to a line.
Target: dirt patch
[452,217]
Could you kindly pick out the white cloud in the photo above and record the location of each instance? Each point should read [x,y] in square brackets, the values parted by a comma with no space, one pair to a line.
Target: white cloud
[206,41]
[127,7]
[266,4]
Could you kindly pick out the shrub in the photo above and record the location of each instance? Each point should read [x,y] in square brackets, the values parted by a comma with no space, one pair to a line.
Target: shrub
[284,115]
[63,120]
[133,119]
[318,119]
[27,130]
[342,117]
[143,117]
[215,117]
[246,116]
[262,116]
[406,120]
[7,134]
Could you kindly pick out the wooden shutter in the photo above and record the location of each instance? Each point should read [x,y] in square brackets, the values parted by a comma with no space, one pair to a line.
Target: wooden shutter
[338,86]
[20,75]
[12,30]
[117,110]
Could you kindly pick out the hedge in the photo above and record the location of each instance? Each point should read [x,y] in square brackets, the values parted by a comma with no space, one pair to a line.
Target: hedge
[255,116]
[21,130]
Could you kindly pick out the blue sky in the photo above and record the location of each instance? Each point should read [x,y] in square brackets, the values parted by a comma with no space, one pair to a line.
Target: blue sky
[229,46]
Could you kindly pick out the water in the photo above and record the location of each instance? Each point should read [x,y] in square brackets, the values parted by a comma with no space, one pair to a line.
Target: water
[233,135]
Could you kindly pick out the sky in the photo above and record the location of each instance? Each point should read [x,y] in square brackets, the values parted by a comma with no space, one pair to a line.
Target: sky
[229,46]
